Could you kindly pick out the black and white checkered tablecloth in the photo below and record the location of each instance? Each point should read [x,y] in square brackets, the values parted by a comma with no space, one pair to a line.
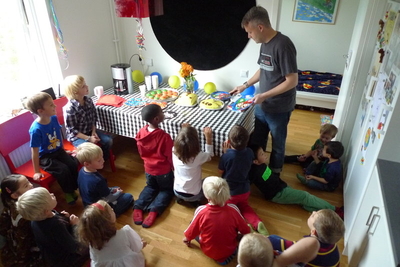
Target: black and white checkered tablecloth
[127,121]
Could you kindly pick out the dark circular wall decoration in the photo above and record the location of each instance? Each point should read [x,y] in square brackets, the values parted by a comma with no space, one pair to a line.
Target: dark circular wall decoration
[204,33]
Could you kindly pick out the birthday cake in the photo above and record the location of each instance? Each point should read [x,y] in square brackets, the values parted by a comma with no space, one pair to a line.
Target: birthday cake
[187,99]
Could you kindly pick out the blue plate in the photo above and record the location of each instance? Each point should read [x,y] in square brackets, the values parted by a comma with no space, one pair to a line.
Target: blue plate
[221,95]
[240,105]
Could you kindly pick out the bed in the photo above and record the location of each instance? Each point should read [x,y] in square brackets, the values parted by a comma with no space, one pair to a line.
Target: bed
[318,89]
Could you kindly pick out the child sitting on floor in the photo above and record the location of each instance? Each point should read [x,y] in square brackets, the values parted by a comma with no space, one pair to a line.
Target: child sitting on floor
[327,133]
[47,147]
[53,231]
[20,248]
[187,159]
[109,246]
[275,189]
[255,250]
[234,166]
[155,148]
[317,249]
[215,225]
[93,186]
[325,175]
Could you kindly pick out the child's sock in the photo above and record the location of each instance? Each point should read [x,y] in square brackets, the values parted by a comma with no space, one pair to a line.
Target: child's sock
[150,219]
[137,216]
[74,195]
[261,229]
[69,197]
[340,211]
[251,228]
[301,178]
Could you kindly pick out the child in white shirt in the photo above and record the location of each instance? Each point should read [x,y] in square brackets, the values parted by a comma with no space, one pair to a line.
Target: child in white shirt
[187,158]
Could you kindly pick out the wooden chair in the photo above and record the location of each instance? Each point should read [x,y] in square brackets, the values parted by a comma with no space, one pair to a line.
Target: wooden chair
[60,103]
[14,134]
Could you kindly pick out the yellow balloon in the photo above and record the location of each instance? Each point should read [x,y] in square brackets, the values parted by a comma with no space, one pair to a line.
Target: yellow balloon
[210,88]
[137,76]
[174,81]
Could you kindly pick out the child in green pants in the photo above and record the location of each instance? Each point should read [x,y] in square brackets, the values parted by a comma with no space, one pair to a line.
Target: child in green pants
[276,190]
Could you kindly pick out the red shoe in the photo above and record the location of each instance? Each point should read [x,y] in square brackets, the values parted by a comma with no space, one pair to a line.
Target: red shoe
[340,212]
[137,216]
[150,219]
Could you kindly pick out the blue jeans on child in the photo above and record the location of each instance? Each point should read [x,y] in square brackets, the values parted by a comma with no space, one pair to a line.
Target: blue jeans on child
[124,202]
[106,142]
[157,194]
[276,123]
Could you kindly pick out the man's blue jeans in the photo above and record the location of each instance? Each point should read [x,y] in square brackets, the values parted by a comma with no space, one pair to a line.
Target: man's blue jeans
[276,124]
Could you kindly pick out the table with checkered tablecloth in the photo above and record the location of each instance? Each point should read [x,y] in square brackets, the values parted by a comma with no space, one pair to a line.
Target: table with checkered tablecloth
[127,121]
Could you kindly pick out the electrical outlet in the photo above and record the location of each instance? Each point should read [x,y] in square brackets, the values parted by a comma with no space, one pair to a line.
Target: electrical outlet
[149,62]
[244,73]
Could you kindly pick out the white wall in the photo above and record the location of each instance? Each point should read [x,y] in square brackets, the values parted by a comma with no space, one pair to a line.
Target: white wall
[88,36]
[319,46]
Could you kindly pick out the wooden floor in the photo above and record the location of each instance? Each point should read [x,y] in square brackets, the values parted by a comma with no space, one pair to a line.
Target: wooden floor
[165,247]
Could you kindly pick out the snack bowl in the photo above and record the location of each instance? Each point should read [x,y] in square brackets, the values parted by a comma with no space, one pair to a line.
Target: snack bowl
[162,94]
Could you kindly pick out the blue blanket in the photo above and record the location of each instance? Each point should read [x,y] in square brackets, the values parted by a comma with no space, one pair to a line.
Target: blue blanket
[319,82]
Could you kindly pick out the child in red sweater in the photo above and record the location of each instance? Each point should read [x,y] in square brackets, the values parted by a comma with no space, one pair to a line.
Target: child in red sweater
[155,148]
[216,226]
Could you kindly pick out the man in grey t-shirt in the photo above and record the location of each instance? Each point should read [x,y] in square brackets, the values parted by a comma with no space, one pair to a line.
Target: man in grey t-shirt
[276,96]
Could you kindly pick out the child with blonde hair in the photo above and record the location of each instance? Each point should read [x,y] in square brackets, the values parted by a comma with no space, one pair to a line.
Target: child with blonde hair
[93,186]
[317,249]
[234,166]
[109,246]
[216,225]
[81,117]
[187,158]
[255,250]
[326,133]
[52,230]
[20,248]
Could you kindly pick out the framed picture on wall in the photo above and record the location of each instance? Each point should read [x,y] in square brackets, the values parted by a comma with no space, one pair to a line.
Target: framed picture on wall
[316,11]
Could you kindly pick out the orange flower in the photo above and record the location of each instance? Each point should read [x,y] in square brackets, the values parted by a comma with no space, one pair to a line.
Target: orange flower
[186,70]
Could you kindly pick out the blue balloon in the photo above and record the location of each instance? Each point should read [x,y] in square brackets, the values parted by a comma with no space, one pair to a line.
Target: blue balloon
[250,91]
[195,84]
[159,76]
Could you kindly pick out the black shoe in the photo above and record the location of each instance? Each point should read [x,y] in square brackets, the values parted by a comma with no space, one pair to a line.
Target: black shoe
[195,204]
[291,159]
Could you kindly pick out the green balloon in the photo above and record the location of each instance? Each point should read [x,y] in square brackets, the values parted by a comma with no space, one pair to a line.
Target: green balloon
[137,76]
[210,87]
[174,81]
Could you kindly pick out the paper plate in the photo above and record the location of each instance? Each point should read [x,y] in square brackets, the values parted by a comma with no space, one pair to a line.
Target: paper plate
[211,104]
[240,105]
[135,102]
[163,105]
[221,95]
[162,94]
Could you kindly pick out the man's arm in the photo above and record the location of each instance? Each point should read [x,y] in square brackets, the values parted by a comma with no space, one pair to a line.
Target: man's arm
[304,250]
[253,80]
[289,83]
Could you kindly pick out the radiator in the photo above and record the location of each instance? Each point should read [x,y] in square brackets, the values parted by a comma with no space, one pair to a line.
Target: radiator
[18,156]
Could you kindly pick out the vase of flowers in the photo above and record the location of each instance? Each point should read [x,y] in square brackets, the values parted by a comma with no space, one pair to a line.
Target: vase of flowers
[186,72]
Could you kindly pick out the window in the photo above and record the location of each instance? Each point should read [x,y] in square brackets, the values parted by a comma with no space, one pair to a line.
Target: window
[29,61]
